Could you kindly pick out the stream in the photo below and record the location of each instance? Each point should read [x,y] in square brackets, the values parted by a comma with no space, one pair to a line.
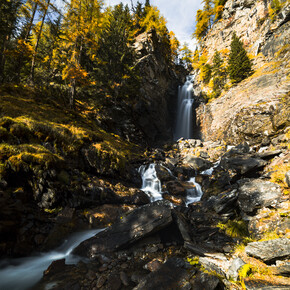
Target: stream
[23,273]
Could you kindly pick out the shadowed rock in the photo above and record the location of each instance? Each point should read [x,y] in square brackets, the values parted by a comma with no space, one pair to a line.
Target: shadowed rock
[168,276]
[257,193]
[138,224]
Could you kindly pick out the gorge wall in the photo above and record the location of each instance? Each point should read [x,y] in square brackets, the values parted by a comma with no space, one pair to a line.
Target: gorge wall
[258,107]
[148,118]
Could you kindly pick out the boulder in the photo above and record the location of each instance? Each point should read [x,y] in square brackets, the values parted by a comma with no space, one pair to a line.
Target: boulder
[205,281]
[243,164]
[138,224]
[163,173]
[269,251]
[197,163]
[257,193]
[170,275]
[175,188]
[226,202]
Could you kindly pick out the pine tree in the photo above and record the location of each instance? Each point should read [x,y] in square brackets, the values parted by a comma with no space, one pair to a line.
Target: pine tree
[219,75]
[186,56]
[239,66]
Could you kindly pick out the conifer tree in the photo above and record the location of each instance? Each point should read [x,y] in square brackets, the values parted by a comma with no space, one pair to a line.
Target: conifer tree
[219,75]
[239,66]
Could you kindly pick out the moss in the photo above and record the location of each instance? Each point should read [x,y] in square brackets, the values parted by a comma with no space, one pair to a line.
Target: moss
[31,121]
[235,228]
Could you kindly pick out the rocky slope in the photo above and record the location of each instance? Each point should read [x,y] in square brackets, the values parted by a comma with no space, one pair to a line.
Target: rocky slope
[258,107]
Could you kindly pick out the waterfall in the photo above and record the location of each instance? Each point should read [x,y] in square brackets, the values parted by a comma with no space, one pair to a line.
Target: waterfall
[194,194]
[151,185]
[184,124]
[23,273]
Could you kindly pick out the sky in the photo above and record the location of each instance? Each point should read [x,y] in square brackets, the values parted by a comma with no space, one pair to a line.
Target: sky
[180,16]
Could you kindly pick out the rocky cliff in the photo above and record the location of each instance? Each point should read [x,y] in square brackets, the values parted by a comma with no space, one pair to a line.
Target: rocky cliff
[257,108]
[148,118]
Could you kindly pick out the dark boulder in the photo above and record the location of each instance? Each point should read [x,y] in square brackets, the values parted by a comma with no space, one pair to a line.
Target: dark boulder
[138,224]
[242,164]
[197,163]
[257,193]
[175,188]
[170,275]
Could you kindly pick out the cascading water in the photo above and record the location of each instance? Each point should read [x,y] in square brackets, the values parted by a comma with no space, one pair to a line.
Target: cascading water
[151,185]
[23,273]
[184,124]
[193,194]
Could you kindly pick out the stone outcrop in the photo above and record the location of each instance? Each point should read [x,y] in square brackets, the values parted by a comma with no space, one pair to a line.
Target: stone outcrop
[257,109]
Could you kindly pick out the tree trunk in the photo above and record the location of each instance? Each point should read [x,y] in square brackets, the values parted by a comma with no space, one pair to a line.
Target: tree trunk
[72,95]
[37,43]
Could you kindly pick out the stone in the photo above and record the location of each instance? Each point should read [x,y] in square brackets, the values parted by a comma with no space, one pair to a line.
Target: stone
[175,188]
[114,282]
[257,193]
[197,163]
[153,265]
[163,173]
[138,224]
[204,281]
[243,164]
[169,276]
[234,268]
[269,251]
[226,202]
[101,281]
[124,278]
[55,267]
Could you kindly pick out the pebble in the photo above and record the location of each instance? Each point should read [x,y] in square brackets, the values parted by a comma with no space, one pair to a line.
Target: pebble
[101,281]
[124,278]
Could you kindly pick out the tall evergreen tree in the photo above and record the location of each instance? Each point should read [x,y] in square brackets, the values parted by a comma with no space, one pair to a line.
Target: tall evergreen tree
[219,75]
[239,66]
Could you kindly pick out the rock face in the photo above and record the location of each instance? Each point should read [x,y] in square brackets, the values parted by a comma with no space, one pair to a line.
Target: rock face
[256,109]
[138,224]
[148,118]
[269,250]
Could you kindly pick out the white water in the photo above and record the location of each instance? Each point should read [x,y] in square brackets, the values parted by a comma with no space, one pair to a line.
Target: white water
[151,185]
[184,111]
[193,194]
[21,274]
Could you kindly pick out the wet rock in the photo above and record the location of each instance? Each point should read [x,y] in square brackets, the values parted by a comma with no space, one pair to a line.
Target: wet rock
[169,276]
[197,163]
[269,251]
[257,193]
[163,173]
[138,224]
[175,188]
[55,267]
